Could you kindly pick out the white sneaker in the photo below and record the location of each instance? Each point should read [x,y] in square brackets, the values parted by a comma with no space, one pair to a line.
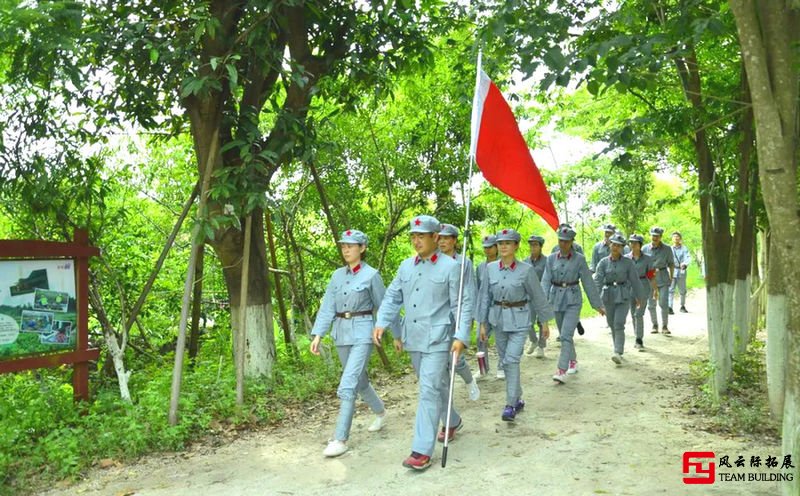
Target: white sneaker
[531,348]
[560,376]
[616,358]
[378,423]
[474,390]
[539,352]
[335,448]
[573,367]
[501,374]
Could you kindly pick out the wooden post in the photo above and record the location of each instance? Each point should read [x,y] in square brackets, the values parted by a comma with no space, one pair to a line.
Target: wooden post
[80,372]
[197,302]
[287,332]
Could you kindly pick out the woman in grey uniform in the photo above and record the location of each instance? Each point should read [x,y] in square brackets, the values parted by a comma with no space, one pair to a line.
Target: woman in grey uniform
[619,283]
[490,250]
[353,294]
[511,299]
[537,260]
[564,270]
[644,270]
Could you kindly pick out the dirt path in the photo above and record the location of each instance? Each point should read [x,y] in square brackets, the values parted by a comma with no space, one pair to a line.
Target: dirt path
[611,430]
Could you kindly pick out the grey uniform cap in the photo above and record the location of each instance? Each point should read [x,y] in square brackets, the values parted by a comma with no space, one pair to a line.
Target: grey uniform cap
[449,230]
[536,238]
[566,233]
[617,239]
[609,228]
[353,236]
[489,241]
[508,235]
[425,224]
[657,231]
[636,238]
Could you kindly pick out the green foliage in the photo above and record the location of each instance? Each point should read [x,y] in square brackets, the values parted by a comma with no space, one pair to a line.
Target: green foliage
[744,410]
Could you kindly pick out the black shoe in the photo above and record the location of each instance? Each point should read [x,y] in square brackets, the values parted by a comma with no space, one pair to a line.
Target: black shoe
[683,310]
[670,311]
[580,329]
[654,330]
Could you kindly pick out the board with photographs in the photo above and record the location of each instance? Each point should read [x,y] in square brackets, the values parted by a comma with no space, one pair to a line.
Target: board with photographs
[37,307]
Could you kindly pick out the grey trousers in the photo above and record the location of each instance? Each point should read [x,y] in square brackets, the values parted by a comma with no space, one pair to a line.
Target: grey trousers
[566,321]
[637,314]
[663,302]
[512,344]
[616,314]
[679,283]
[354,381]
[432,371]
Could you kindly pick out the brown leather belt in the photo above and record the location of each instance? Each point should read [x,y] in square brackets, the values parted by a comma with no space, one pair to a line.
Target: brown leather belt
[511,304]
[564,284]
[350,315]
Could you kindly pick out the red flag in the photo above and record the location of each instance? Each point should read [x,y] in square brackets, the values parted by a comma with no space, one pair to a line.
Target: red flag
[502,154]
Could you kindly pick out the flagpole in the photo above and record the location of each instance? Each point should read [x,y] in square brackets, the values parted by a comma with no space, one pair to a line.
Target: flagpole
[461,278]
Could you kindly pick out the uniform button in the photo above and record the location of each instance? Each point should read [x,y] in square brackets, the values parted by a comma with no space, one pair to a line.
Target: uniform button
[415,321]
[415,305]
[345,292]
[417,289]
[348,282]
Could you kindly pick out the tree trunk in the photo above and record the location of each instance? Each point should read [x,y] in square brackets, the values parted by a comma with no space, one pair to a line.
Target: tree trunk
[288,337]
[776,337]
[197,306]
[260,338]
[768,34]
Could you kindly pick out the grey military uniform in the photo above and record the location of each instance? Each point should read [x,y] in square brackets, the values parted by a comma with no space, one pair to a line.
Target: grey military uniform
[428,291]
[538,266]
[562,275]
[620,284]
[663,260]
[357,291]
[682,259]
[643,265]
[462,368]
[511,300]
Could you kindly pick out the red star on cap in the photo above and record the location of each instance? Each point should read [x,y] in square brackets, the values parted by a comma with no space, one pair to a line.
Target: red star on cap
[348,233]
[417,222]
[505,231]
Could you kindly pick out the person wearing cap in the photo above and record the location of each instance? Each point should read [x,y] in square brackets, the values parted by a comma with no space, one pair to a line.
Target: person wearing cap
[663,264]
[682,260]
[617,277]
[353,295]
[563,273]
[536,345]
[427,286]
[646,273]
[511,300]
[603,248]
[448,238]
[576,247]
[489,243]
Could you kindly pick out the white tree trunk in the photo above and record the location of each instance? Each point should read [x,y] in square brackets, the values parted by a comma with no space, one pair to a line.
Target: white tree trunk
[791,440]
[259,352]
[776,352]
[117,356]
[720,335]
[741,314]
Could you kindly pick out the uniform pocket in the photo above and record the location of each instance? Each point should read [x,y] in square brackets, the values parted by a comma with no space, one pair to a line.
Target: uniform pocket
[439,334]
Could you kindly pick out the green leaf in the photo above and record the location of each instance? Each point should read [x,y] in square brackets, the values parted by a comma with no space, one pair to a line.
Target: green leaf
[153,55]
[555,59]
[233,75]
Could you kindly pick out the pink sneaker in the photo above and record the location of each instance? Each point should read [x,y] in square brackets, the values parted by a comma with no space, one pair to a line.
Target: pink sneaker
[560,376]
[573,367]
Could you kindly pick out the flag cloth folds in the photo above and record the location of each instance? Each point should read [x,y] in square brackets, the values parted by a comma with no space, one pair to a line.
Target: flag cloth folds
[501,152]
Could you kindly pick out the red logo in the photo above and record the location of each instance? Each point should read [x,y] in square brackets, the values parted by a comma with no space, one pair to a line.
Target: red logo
[417,222]
[505,231]
[348,233]
[703,472]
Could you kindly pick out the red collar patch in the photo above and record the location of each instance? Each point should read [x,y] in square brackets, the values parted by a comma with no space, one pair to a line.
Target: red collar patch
[511,267]
[433,259]
[355,269]
[569,255]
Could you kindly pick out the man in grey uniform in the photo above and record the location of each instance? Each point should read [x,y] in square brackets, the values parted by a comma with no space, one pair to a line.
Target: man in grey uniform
[489,243]
[536,345]
[448,238]
[602,249]
[563,273]
[644,270]
[682,260]
[664,264]
[427,286]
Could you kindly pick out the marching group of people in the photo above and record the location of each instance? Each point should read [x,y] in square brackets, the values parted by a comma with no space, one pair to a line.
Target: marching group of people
[512,299]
